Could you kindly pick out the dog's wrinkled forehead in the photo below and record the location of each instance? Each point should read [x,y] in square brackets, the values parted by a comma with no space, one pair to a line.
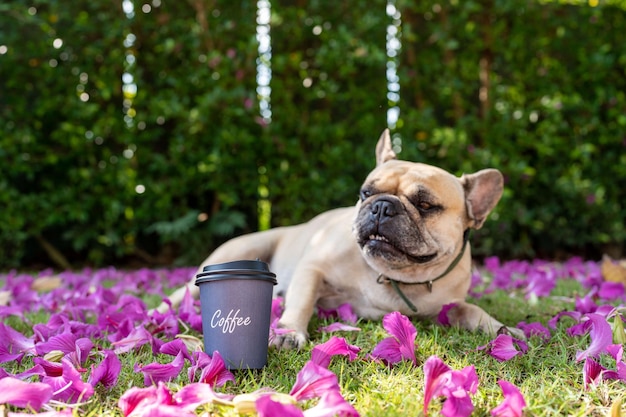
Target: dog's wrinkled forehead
[406,178]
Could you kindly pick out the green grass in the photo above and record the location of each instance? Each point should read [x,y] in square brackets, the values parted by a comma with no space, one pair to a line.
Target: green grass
[547,375]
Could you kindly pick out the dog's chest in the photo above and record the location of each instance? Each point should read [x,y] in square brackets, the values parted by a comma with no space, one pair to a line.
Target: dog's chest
[369,300]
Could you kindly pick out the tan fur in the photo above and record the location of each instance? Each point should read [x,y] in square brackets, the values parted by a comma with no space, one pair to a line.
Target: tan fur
[321,263]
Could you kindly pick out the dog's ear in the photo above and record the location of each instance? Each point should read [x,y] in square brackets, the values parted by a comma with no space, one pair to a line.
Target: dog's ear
[384,149]
[483,190]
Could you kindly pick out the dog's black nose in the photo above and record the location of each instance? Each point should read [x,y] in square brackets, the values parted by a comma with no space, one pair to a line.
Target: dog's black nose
[383,209]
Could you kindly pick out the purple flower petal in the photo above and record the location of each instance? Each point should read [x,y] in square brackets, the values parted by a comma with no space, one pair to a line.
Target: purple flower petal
[69,387]
[158,372]
[343,312]
[323,353]
[277,308]
[312,381]
[504,347]
[193,395]
[339,327]
[592,372]
[513,403]
[534,329]
[436,375]
[388,350]
[151,401]
[175,347]
[458,403]
[401,345]
[136,398]
[440,380]
[611,291]
[137,338]
[586,304]
[22,394]
[442,317]
[107,371]
[13,344]
[65,343]
[332,404]
[600,333]
[214,371]
[346,313]
[267,407]
[572,314]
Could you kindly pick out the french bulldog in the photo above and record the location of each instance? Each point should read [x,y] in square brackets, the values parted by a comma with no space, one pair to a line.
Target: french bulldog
[402,247]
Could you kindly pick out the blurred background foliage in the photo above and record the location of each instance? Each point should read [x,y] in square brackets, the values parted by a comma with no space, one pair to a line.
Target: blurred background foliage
[134,136]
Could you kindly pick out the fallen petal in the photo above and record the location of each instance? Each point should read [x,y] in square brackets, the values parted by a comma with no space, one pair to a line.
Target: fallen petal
[158,372]
[513,403]
[339,327]
[312,381]
[601,336]
[323,353]
[107,371]
[436,375]
[268,407]
[332,404]
[22,394]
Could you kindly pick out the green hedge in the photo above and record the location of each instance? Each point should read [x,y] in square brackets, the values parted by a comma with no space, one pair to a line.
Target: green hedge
[93,173]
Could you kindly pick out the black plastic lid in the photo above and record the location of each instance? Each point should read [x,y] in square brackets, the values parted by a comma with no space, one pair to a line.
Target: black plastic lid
[244,269]
[236,265]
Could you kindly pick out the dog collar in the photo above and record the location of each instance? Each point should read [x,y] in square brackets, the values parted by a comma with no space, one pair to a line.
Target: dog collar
[382,279]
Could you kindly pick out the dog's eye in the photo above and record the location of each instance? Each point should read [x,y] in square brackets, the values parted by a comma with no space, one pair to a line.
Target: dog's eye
[426,207]
[365,194]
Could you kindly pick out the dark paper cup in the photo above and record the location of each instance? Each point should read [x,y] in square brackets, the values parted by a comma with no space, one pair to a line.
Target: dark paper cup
[236,304]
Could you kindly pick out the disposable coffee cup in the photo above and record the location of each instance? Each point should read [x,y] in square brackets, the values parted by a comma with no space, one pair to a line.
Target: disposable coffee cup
[236,304]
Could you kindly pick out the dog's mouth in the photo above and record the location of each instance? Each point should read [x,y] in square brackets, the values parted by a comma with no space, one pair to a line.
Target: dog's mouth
[381,245]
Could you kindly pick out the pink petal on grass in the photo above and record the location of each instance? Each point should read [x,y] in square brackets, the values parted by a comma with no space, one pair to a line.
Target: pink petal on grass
[513,403]
[277,308]
[215,372]
[436,375]
[196,394]
[312,381]
[401,346]
[107,371]
[344,312]
[534,329]
[332,404]
[440,380]
[23,394]
[339,327]
[505,347]
[151,401]
[138,337]
[592,372]
[323,353]
[13,344]
[601,336]
[458,402]
[442,317]
[267,407]
[175,347]
[158,372]
[65,343]
[69,387]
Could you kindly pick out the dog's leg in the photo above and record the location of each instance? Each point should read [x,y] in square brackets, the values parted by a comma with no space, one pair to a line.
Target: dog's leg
[471,317]
[300,302]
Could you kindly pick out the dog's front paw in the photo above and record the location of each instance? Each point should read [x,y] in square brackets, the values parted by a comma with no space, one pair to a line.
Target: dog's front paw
[285,338]
[512,331]
[290,340]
